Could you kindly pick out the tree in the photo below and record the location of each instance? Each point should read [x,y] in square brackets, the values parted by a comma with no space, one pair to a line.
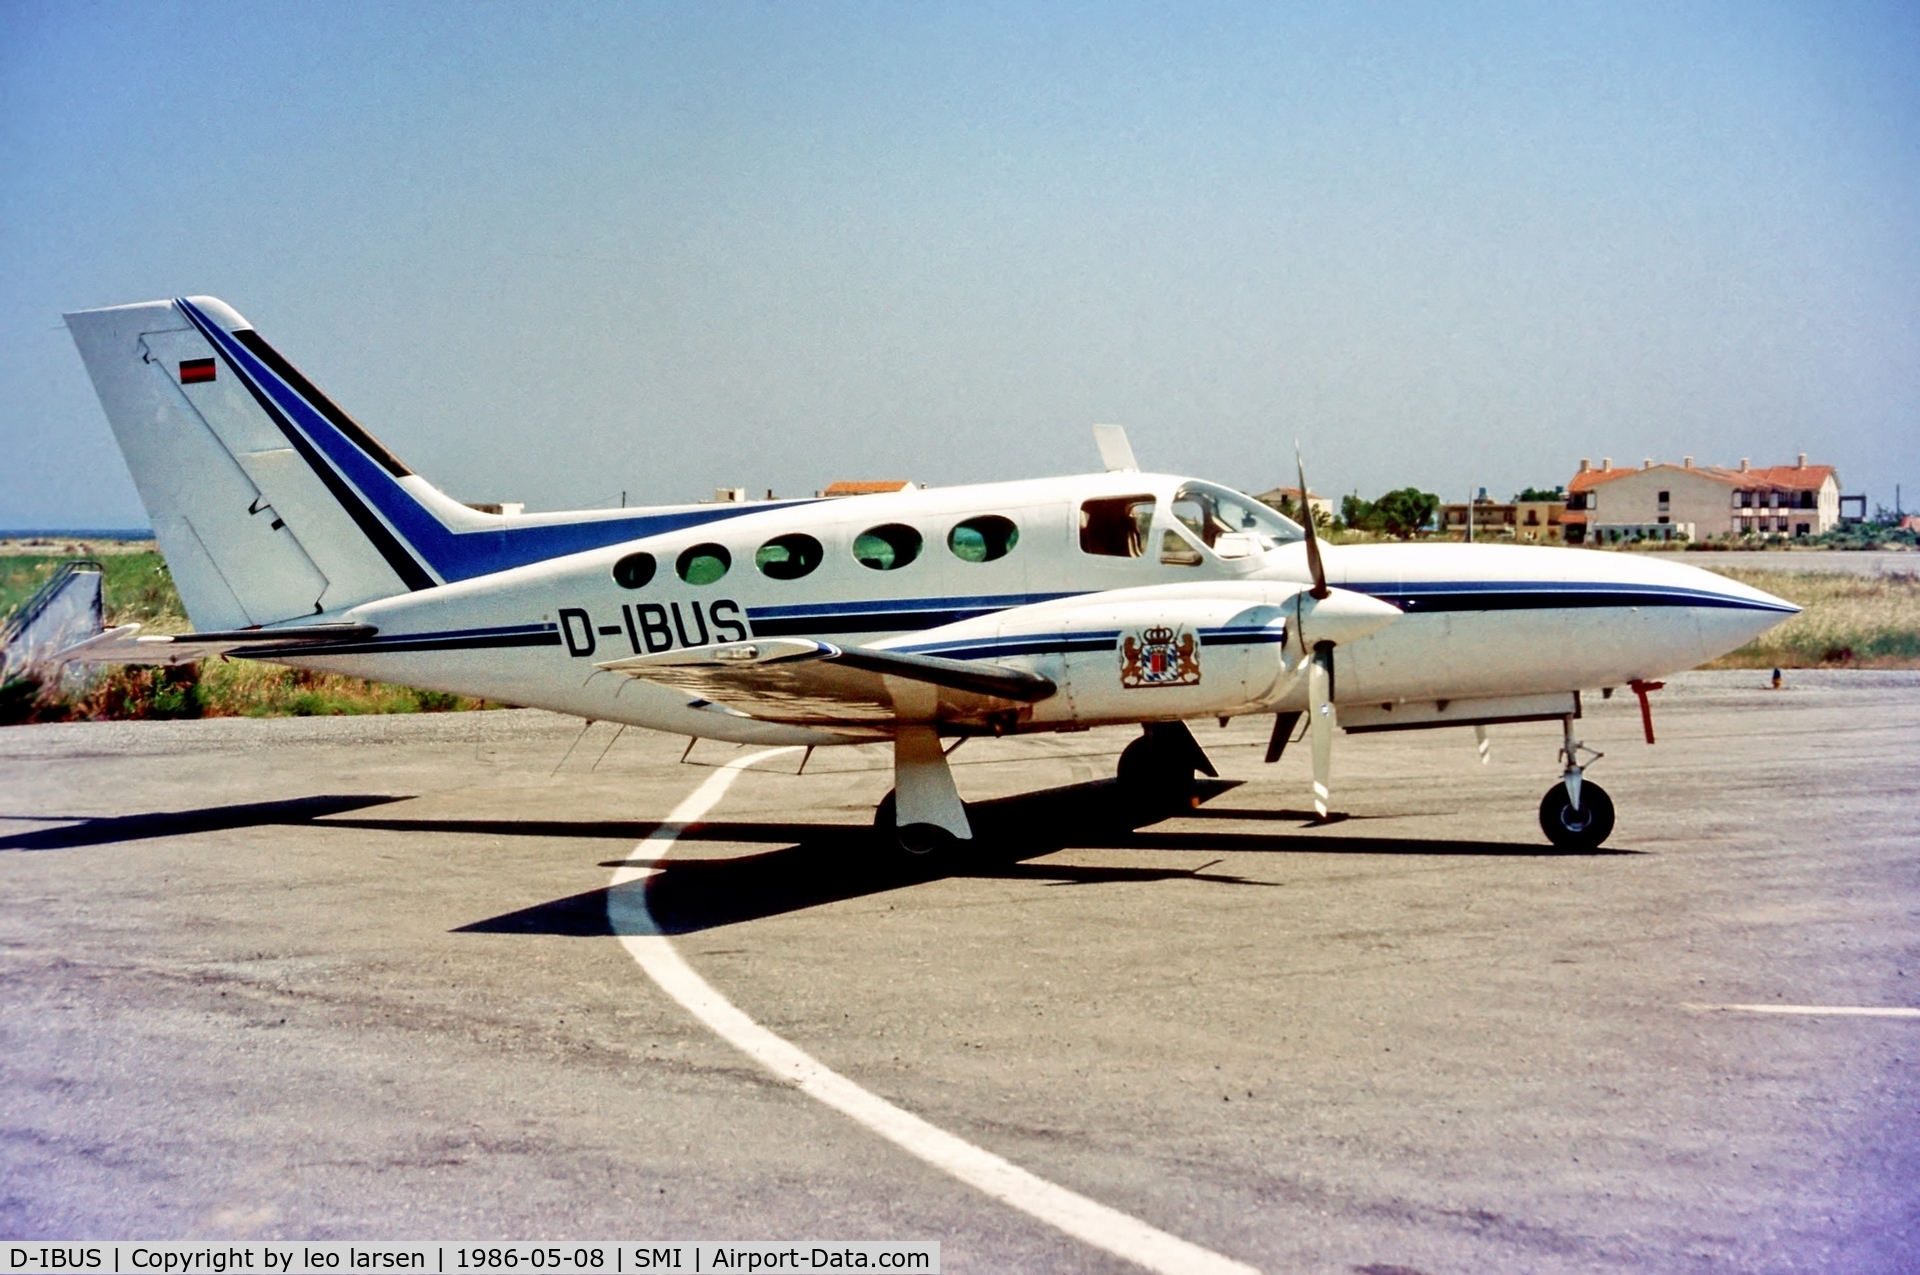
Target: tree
[1358,514]
[1542,493]
[1403,512]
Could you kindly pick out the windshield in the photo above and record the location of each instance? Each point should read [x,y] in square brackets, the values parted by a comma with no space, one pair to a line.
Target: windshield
[1211,512]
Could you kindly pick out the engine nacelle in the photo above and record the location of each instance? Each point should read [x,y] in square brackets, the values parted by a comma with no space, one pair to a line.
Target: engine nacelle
[1163,652]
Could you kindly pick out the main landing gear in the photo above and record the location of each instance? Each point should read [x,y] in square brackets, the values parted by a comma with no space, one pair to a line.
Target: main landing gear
[923,817]
[1156,772]
[1576,814]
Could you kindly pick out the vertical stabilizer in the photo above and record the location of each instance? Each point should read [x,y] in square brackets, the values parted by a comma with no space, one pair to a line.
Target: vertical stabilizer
[255,532]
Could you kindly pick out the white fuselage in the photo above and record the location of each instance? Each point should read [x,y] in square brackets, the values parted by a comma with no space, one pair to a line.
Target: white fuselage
[1478,620]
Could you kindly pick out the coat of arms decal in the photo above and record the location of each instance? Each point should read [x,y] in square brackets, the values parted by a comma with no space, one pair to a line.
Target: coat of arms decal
[1160,656]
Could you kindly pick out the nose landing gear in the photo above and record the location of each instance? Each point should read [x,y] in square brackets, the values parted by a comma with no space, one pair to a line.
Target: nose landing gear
[1576,814]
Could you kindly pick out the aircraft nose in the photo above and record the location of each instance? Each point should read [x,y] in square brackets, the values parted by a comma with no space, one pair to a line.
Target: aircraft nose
[1344,616]
[1745,596]
[1736,614]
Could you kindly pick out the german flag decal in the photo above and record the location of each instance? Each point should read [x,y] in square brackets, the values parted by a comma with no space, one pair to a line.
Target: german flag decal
[194,371]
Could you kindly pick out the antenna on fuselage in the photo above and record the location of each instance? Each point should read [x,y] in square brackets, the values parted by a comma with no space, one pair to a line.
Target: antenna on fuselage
[1116,453]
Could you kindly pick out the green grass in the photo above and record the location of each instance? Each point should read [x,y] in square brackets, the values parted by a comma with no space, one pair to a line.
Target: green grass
[139,590]
[1846,621]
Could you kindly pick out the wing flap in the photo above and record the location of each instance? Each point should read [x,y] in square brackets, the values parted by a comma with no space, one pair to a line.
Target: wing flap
[804,682]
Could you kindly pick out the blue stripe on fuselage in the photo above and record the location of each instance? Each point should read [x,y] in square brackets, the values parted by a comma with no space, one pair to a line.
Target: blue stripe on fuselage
[911,614]
[908,615]
[545,634]
[1066,643]
[452,555]
[901,615]
[1533,595]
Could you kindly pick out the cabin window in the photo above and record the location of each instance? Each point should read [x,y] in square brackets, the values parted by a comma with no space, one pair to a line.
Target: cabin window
[983,539]
[703,564]
[888,547]
[1116,526]
[788,557]
[634,570]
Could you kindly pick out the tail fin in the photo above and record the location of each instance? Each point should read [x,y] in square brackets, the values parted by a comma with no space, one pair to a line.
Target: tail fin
[255,526]
[272,504]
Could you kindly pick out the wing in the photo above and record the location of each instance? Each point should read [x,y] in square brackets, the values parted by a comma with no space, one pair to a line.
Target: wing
[124,646]
[803,682]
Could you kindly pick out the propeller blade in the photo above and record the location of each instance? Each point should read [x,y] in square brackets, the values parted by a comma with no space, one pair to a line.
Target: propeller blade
[1480,742]
[1319,589]
[1320,723]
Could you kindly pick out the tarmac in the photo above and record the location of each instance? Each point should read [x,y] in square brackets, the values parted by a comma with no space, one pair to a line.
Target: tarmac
[356,978]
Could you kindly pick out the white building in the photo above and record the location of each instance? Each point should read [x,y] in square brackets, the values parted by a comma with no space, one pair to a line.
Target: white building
[1781,500]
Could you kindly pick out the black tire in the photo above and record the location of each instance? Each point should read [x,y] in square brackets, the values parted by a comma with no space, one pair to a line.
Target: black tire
[925,844]
[1156,781]
[1582,829]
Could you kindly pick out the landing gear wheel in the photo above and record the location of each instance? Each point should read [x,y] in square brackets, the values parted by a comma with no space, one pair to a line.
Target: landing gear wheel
[1156,781]
[1582,829]
[923,844]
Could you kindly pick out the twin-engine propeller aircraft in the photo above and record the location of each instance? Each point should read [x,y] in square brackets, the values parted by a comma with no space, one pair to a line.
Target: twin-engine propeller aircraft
[914,617]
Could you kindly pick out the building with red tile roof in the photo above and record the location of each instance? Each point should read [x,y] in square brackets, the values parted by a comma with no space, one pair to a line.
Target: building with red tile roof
[865,486]
[1699,501]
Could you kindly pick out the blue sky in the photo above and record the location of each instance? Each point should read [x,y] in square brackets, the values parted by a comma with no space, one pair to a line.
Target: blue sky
[550,255]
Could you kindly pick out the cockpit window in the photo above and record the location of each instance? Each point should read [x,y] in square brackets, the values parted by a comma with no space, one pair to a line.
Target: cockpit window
[1177,551]
[1116,526]
[1230,524]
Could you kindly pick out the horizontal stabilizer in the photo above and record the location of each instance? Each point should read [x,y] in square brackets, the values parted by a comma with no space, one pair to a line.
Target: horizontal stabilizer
[123,645]
[819,683]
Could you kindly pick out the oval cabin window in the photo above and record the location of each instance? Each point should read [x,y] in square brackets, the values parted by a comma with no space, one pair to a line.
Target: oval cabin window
[703,564]
[633,571]
[788,557]
[888,547]
[983,539]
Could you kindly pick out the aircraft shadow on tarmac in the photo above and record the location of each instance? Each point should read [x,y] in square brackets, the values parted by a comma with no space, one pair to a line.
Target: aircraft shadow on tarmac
[110,829]
[828,863]
[817,863]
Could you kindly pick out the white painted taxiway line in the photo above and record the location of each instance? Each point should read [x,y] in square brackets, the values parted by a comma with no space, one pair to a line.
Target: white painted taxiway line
[1084,1219]
[1832,1011]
